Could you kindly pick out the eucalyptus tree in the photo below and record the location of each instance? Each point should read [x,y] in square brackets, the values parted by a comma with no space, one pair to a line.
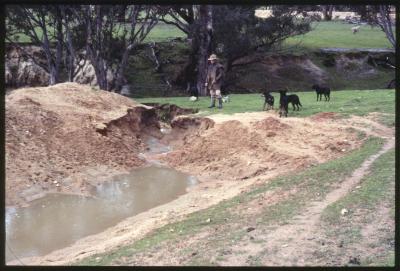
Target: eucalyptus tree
[110,40]
[239,33]
[381,15]
[232,31]
[42,25]
[196,21]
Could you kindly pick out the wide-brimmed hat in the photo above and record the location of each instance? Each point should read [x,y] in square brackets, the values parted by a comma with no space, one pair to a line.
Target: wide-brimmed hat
[213,57]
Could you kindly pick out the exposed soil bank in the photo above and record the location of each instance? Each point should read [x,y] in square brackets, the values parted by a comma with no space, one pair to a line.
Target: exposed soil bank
[258,145]
[246,145]
[166,112]
[68,137]
[341,68]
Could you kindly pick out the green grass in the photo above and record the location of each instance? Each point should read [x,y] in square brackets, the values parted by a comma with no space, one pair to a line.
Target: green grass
[324,34]
[357,102]
[377,185]
[376,188]
[161,32]
[314,180]
[338,34]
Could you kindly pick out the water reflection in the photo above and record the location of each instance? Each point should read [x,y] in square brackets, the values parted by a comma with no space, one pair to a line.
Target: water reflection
[57,220]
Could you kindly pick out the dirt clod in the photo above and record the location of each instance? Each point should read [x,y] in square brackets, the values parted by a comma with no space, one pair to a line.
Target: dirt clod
[354,260]
[249,229]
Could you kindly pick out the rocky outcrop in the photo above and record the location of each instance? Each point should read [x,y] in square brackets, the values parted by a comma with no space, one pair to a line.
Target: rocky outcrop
[21,71]
[87,74]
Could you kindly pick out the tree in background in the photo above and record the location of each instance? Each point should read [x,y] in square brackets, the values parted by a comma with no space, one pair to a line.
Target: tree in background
[327,10]
[380,15]
[73,33]
[196,21]
[240,33]
[109,42]
[42,24]
[230,31]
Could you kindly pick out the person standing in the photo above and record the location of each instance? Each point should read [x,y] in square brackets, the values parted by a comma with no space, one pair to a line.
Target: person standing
[214,80]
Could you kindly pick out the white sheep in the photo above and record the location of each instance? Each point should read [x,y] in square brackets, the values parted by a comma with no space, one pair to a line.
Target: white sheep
[355,29]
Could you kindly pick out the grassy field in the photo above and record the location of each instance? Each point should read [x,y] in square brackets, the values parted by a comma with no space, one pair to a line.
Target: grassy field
[339,34]
[324,34]
[161,32]
[229,216]
[358,102]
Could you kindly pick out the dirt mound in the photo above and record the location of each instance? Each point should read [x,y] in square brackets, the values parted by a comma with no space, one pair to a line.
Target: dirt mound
[271,126]
[234,150]
[185,122]
[324,116]
[66,137]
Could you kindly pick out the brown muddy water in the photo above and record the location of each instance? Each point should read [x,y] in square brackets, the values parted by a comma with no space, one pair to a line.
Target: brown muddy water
[58,220]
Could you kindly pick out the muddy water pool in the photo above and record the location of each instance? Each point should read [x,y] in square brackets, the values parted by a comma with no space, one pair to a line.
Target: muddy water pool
[57,220]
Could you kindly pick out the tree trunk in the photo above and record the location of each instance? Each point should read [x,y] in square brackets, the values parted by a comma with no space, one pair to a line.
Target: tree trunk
[386,24]
[70,47]
[119,74]
[60,40]
[328,10]
[101,74]
[53,71]
[205,36]
[53,75]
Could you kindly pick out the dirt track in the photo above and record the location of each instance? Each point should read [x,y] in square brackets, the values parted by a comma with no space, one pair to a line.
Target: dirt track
[227,153]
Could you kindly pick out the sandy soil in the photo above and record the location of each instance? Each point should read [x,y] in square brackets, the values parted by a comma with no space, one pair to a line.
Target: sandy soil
[245,145]
[66,137]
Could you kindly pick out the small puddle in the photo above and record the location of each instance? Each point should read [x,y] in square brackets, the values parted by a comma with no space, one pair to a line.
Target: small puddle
[58,220]
[154,146]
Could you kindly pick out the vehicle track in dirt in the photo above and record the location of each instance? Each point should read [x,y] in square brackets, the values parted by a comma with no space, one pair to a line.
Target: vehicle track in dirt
[292,244]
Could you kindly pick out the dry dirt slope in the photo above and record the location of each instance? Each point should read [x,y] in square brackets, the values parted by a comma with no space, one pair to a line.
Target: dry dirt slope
[261,228]
[63,137]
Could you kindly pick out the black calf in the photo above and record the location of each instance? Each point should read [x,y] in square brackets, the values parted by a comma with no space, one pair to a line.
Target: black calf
[322,90]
